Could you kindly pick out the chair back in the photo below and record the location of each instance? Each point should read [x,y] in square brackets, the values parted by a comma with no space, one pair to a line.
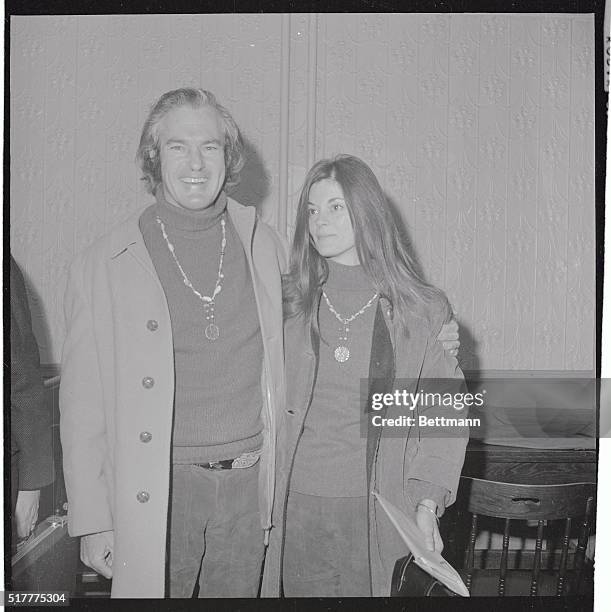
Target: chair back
[540,503]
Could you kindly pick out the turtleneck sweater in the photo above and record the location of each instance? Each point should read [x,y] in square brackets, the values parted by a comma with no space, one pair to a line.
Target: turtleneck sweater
[330,457]
[217,400]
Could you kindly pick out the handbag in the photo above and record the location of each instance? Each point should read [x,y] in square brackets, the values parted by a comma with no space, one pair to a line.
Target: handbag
[409,580]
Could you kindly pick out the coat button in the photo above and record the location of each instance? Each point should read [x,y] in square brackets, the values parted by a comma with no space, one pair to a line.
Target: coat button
[152,325]
[143,496]
[146,436]
[148,382]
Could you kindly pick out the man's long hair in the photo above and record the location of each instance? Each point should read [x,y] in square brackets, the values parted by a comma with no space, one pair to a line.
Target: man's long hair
[148,154]
[382,251]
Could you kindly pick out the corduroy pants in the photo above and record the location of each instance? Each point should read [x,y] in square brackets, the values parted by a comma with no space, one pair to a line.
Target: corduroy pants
[216,539]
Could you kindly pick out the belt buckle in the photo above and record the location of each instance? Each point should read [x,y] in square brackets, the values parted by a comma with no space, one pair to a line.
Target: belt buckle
[215,465]
[246,460]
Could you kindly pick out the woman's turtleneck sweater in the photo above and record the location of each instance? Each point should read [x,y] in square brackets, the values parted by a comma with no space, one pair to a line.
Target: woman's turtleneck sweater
[217,400]
[330,457]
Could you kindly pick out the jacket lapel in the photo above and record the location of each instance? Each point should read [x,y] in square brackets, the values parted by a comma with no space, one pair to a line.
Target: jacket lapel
[381,378]
[266,282]
[243,219]
[307,352]
[127,239]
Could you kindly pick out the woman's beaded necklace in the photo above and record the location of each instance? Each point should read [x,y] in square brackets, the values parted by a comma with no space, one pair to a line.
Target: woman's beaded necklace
[342,353]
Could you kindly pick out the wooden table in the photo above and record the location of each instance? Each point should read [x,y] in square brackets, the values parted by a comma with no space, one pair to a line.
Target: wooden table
[530,465]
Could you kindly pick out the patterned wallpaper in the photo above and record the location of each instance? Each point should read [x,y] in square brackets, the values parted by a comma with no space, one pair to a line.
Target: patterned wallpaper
[480,128]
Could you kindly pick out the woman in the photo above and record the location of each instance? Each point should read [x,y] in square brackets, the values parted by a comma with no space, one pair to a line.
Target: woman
[356,310]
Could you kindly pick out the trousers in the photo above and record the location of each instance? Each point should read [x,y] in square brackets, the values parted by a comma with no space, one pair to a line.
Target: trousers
[216,540]
[325,549]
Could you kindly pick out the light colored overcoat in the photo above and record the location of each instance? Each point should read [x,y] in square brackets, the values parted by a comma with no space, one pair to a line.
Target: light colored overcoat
[117,387]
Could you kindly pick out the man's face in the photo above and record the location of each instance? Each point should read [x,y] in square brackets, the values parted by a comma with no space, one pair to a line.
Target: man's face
[191,145]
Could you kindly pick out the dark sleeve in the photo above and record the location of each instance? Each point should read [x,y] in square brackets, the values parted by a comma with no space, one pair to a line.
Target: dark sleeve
[30,417]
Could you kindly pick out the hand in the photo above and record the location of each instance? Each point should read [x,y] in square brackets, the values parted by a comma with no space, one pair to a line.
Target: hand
[448,336]
[96,552]
[26,512]
[426,519]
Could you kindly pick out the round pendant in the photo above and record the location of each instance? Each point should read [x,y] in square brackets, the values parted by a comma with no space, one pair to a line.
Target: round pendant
[341,354]
[212,331]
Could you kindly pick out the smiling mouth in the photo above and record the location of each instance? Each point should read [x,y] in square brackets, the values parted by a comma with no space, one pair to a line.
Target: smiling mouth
[193,180]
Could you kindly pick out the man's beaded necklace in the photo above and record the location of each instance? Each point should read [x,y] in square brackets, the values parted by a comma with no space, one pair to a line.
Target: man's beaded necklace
[212,331]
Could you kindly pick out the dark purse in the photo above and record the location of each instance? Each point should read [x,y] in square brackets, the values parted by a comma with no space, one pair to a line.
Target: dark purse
[409,580]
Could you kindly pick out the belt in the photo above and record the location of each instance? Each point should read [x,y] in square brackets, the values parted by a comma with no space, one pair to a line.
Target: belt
[245,460]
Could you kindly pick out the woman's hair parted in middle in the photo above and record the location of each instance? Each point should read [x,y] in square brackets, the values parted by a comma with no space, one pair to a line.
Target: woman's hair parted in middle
[382,251]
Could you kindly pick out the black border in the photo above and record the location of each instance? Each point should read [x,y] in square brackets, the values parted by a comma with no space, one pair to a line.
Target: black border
[110,7]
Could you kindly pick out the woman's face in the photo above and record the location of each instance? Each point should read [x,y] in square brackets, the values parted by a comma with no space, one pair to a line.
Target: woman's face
[329,223]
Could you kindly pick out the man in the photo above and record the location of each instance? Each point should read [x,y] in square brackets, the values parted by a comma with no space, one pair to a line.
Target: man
[31,454]
[172,372]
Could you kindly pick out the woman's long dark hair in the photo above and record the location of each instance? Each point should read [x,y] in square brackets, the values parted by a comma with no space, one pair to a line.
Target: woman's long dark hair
[382,251]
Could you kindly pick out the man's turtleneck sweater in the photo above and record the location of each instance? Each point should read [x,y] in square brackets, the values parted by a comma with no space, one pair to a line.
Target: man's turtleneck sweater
[217,401]
[330,458]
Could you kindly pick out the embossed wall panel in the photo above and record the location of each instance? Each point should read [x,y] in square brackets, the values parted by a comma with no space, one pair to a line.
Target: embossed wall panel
[302,106]
[479,127]
[522,145]
[80,90]
[579,299]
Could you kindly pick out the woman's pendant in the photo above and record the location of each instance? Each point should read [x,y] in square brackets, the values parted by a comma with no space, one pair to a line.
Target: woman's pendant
[341,354]
[212,332]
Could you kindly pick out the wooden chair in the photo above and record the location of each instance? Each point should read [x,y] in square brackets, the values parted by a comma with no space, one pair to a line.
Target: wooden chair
[544,505]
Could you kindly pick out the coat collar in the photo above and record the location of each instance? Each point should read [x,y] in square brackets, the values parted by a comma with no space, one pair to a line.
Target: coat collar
[127,238]
[244,220]
[126,235]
